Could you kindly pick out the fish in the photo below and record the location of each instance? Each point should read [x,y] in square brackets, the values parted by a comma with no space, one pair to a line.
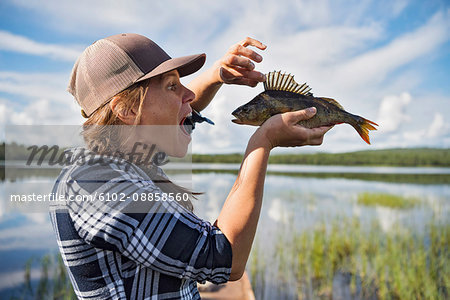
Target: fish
[282,94]
[195,117]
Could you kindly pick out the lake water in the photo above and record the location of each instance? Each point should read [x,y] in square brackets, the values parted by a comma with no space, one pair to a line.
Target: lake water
[295,198]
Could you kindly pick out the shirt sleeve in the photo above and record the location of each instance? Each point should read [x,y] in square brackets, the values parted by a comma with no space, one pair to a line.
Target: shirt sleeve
[161,235]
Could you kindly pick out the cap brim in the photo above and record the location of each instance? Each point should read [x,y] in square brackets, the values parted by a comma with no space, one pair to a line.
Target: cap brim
[185,65]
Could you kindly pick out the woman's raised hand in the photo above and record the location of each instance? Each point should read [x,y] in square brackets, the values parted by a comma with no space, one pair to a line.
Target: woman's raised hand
[237,67]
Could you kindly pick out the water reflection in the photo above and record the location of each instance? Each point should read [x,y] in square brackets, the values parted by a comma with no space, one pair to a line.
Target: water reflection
[303,202]
[290,203]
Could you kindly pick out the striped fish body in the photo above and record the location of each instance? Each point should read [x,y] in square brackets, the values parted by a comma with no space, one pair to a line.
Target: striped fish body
[282,94]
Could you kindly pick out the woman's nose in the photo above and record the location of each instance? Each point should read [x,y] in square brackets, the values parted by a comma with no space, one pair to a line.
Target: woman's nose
[188,95]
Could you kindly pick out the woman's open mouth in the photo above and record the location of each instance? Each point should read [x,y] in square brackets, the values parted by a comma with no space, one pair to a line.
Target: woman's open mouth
[186,125]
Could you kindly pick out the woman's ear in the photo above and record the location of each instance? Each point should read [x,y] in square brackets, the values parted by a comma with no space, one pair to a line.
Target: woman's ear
[127,116]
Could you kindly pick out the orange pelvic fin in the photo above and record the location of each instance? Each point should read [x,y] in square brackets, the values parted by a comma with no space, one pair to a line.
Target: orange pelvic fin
[363,128]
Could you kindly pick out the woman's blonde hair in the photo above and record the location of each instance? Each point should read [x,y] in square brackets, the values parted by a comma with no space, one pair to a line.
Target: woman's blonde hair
[102,137]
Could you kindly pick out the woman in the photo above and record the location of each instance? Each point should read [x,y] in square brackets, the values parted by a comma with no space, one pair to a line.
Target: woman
[119,245]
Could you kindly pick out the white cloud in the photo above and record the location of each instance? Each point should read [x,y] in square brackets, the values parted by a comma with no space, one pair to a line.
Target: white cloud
[411,138]
[424,122]
[336,60]
[35,85]
[373,66]
[40,111]
[190,18]
[392,112]
[84,14]
[21,44]
[9,116]
[37,98]
[165,21]
[320,47]
[398,6]
[438,126]
[222,136]
[320,42]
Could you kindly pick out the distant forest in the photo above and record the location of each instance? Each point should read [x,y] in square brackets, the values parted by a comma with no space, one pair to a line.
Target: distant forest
[408,157]
[411,157]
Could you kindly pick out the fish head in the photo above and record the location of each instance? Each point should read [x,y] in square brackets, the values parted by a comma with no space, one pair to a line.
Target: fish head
[254,112]
[244,114]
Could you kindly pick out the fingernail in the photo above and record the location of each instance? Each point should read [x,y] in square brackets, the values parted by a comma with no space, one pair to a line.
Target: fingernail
[251,65]
[311,110]
[259,57]
[263,77]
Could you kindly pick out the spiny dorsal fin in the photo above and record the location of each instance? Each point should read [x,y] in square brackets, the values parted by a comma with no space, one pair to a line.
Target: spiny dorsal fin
[333,102]
[275,81]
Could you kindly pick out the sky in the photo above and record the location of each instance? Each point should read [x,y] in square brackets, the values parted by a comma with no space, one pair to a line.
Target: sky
[388,61]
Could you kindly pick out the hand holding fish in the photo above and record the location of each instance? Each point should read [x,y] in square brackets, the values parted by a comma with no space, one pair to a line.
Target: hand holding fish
[282,130]
[237,67]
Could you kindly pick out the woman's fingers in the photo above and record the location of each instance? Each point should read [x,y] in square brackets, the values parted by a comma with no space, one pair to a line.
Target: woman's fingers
[240,76]
[248,41]
[241,50]
[239,61]
[238,64]
[315,135]
[283,129]
[293,117]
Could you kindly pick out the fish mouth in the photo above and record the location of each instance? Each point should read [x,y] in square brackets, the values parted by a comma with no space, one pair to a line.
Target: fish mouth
[235,114]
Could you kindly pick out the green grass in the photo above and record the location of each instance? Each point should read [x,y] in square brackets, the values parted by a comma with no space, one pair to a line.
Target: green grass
[386,200]
[399,264]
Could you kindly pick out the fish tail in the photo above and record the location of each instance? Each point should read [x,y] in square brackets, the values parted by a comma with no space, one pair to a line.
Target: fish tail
[363,126]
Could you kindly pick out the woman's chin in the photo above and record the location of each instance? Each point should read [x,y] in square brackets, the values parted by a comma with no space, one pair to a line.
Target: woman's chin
[181,145]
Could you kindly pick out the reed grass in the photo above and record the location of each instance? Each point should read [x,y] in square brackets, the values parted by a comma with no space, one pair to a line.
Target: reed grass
[386,200]
[53,283]
[333,258]
[399,264]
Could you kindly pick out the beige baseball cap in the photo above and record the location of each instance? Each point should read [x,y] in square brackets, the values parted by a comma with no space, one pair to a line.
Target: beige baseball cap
[112,64]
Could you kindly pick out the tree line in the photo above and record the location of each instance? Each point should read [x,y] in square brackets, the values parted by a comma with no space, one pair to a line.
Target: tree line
[407,157]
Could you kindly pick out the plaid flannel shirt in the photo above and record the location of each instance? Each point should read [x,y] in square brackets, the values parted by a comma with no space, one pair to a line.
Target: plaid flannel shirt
[113,252]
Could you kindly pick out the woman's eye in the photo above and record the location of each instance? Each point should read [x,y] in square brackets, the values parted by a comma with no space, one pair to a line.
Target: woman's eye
[172,86]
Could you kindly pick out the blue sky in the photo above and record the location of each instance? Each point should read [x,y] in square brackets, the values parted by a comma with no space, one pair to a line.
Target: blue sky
[388,61]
